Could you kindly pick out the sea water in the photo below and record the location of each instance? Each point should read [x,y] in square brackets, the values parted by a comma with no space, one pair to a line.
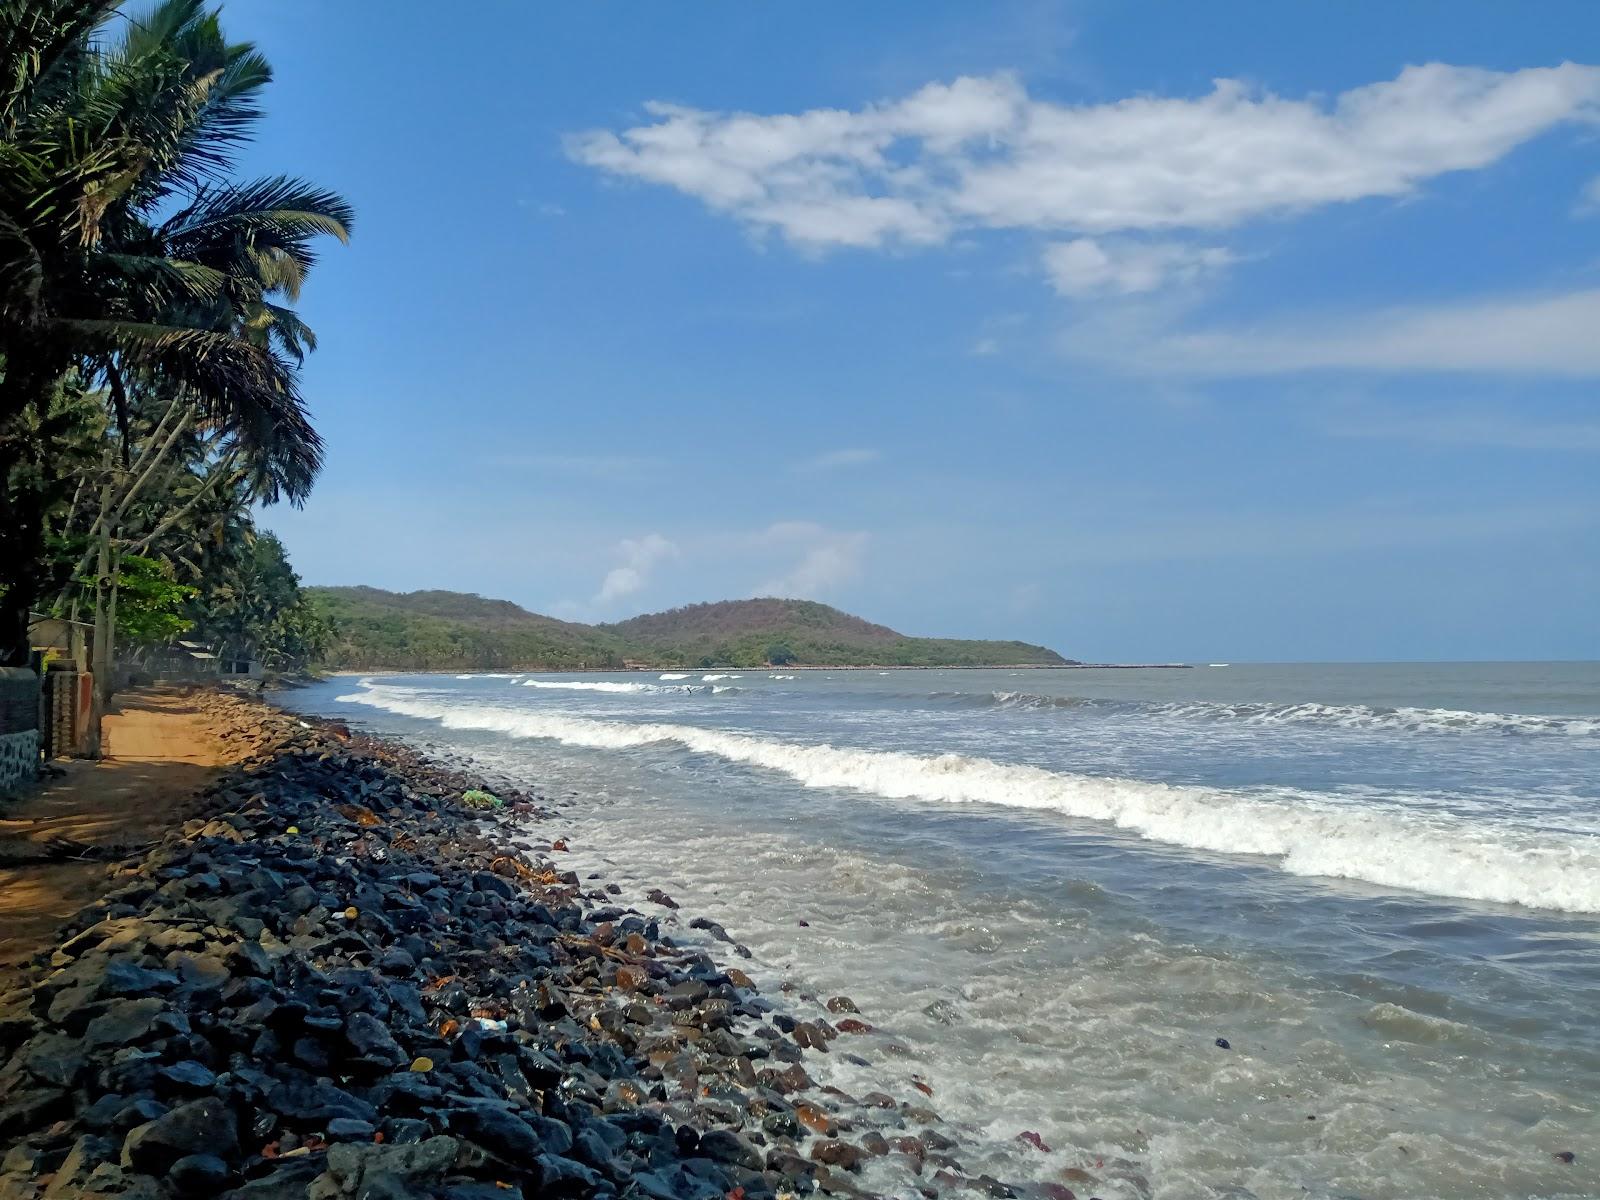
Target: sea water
[1052,891]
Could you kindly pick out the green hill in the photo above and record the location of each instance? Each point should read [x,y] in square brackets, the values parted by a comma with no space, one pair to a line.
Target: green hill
[443,631]
[748,633]
[440,631]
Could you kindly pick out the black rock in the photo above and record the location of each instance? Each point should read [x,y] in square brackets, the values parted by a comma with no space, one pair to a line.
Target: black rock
[310,1053]
[124,1023]
[347,1129]
[396,961]
[201,972]
[138,1111]
[555,1135]
[403,1131]
[188,1076]
[727,1146]
[248,958]
[55,1059]
[563,1177]
[496,1127]
[197,1175]
[102,1113]
[316,1103]
[201,1127]
[656,1186]
[370,1038]
[123,977]
[383,1171]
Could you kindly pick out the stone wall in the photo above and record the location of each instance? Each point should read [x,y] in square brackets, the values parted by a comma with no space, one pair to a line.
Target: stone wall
[19,729]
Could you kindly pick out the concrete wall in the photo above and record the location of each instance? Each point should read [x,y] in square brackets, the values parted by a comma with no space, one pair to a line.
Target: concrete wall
[19,729]
[66,712]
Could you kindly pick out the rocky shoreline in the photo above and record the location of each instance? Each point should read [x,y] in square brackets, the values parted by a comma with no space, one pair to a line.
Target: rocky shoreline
[352,976]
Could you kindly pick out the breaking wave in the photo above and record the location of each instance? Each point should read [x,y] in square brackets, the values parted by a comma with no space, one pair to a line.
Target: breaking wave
[1307,833]
[607,685]
[1342,716]
[1016,700]
[589,685]
[1363,716]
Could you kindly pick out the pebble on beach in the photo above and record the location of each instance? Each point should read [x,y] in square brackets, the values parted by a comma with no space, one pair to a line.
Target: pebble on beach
[340,980]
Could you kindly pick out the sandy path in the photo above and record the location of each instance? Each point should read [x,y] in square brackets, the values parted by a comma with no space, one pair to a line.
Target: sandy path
[162,750]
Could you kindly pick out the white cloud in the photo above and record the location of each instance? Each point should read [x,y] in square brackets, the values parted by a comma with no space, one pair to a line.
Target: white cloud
[1550,335]
[986,346]
[1498,430]
[1589,198]
[834,459]
[1089,266]
[982,152]
[639,557]
[827,558]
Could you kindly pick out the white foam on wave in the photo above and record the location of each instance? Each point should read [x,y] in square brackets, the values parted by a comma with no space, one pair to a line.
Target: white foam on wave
[780,676]
[588,685]
[607,685]
[674,675]
[1363,716]
[1307,833]
[714,678]
[1341,716]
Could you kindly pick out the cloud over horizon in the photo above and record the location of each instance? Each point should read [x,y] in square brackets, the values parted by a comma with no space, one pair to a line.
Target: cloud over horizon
[832,460]
[982,153]
[639,557]
[1532,334]
[828,558]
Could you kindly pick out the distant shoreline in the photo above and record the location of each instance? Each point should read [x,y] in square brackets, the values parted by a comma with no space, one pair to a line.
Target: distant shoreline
[787,667]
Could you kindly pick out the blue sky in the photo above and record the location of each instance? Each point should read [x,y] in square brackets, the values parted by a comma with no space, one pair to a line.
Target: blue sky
[1272,337]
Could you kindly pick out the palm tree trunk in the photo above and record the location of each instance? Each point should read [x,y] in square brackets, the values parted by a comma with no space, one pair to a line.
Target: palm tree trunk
[222,468]
[145,467]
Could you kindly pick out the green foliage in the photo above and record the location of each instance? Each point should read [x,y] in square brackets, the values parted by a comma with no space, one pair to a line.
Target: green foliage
[129,256]
[250,605]
[440,631]
[453,631]
[149,603]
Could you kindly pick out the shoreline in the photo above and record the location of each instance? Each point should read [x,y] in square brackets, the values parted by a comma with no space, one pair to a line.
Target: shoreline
[338,975]
[355,671]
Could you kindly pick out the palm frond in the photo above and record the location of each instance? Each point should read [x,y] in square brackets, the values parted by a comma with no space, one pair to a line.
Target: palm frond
[275,211]
[284,327]
[165,282]
[246,385]
[39,39]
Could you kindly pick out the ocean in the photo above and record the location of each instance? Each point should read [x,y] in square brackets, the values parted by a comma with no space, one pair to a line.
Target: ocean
[1055,894]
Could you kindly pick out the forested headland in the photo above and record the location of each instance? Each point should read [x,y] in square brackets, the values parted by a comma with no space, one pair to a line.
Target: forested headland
[437,631]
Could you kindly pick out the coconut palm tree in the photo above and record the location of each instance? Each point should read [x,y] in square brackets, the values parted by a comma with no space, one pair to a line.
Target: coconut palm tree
[127,253]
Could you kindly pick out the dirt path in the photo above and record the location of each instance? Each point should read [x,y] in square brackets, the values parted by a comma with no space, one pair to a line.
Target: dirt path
[162,749]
